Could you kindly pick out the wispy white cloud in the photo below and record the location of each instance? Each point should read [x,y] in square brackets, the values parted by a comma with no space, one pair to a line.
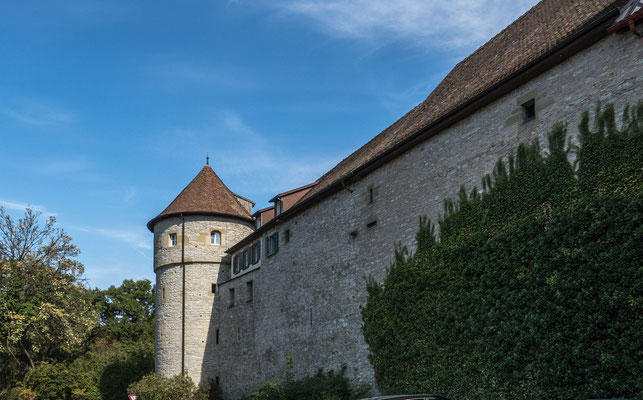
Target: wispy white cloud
[63,167]
[265,162]
[11,205]
[36,113]
[434,23]
[137,238]
[188,73]
[245,155]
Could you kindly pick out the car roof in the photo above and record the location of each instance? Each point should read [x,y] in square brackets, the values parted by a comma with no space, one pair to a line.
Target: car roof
[408,397]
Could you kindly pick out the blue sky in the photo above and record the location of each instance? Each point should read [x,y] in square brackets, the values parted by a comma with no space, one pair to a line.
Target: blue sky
[108,108]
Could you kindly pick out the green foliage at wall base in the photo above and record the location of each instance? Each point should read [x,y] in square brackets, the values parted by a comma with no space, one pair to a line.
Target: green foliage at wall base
[321,386]
[534,288]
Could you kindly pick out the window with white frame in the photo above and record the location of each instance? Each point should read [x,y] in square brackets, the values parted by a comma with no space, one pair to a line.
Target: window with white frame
[215,238]
[257,251]
[246,259]
[173,240]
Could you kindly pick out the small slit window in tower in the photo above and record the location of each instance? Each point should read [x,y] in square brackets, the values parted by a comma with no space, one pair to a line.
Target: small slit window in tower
[216,338]
[213,288]
[215,238]
[172,239]
[287,235]
[231,297]
[250,289]
[371,198]
[163,293]
[529,110]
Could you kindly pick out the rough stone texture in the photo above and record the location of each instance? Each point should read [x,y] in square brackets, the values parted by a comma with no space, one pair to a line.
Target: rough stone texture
[307,297]
[205,264]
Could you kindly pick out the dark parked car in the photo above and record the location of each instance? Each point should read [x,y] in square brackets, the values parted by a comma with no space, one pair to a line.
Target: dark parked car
[408,397]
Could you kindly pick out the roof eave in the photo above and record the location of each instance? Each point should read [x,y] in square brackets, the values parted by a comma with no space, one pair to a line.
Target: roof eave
[155,220]
[593,31]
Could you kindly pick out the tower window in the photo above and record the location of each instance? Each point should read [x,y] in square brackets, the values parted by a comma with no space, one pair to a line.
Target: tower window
[250,290]
[173,239]
[215,238]
[216,339]
[213,288]
[287,235]
[529,110]
[163,293]
[231,298]
[371,198]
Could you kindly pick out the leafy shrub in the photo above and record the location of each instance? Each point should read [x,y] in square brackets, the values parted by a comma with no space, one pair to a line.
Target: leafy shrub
[533,289]
[321,386]
[156,387]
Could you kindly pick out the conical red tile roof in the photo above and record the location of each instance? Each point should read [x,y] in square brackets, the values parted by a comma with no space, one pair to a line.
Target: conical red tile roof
[206,194]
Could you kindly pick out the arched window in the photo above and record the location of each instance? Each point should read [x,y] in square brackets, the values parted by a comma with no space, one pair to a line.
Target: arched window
[215,238]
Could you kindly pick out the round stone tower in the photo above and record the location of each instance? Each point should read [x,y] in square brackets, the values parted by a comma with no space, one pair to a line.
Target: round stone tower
[191,237]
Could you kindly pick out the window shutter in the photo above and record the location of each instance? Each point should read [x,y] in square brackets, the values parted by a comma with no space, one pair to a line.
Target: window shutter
[276,242]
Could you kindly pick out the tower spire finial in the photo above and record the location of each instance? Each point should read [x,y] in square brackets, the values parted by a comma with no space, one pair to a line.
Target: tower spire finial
[207,159]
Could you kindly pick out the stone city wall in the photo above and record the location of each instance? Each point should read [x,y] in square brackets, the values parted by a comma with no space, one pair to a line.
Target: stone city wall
[307,297]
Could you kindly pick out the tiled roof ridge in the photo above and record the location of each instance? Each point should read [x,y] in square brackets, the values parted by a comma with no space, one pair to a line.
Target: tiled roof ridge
[568,16]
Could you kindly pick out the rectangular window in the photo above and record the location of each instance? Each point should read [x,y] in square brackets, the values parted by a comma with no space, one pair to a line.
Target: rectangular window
[246,258]
[235,264]
[250,290]
[371,197]
[163,293]
[231,297]
[258,222]
[287,235]
[172,239]
[213,288]
[278,207]
[216,339]
[272,243]
[253,254]
[529,110]
[258,244]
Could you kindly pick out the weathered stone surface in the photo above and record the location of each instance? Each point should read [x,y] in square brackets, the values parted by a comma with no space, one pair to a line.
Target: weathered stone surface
[307,297]
[205,264]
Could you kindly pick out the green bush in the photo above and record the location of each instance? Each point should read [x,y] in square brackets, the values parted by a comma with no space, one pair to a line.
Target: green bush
[534,287]
[156,387]
[321,386]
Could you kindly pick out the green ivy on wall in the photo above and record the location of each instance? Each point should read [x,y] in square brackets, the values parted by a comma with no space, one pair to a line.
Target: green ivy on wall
[533,287]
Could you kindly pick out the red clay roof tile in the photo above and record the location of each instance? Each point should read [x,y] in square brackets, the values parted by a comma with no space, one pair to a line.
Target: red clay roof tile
[206,194]
[537,31]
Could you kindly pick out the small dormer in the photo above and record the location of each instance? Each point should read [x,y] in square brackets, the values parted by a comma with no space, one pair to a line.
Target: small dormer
[284,201]
[264,215]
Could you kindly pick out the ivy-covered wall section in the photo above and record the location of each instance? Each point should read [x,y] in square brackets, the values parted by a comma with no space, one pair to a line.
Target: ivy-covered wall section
[534,288]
